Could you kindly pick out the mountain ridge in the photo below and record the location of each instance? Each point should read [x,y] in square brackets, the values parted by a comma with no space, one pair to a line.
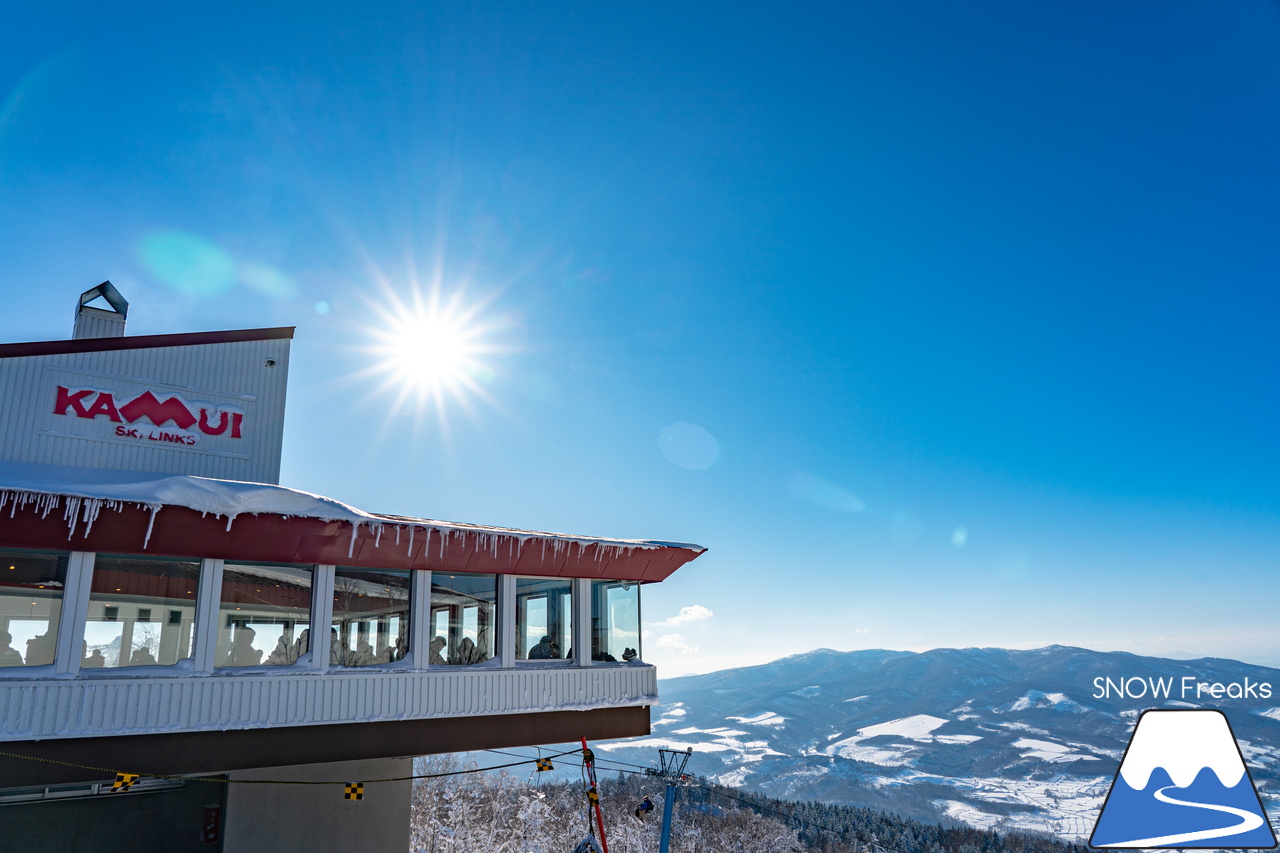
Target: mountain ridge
[985,736]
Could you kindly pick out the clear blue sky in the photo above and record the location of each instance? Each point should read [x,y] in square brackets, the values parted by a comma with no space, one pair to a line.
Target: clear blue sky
[939,324]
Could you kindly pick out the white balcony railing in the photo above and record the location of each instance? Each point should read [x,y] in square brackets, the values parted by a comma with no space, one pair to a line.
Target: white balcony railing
[38,709]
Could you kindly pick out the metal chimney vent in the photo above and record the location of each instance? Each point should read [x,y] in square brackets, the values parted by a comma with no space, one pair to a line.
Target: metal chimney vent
[101,322]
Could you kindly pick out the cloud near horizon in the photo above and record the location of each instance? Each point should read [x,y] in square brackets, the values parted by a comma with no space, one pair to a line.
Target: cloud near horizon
[690,613]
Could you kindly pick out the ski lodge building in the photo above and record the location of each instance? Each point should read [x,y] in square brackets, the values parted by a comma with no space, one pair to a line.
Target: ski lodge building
[168,609]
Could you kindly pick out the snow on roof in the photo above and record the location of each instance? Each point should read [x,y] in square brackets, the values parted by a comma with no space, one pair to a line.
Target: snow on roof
[82,493]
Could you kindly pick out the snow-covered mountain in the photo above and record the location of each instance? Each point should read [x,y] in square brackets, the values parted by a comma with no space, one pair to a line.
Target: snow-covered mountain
[1027,740]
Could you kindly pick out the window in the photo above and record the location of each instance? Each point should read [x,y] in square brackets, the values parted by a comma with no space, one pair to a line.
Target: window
[615,621]
[264,618]
[126,600]
[370,617]
[31,584]
[544,619]
[464,613]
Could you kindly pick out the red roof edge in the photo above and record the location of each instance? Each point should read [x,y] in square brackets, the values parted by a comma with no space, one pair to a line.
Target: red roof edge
[144,342]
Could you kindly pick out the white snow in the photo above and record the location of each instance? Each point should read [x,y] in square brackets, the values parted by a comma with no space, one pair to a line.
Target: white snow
[1050,751]
[768,718]
[917,727]
[1037,699]
[82,494]
[722,732]
[957,738]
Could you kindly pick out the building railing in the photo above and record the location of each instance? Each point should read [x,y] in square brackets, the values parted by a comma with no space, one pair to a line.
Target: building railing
[93,707]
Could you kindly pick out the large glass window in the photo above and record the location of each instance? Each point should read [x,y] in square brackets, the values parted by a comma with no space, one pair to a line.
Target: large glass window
[370,617]
[264,617]
[142,611]
[31,584]
[544,619]
[464,613]
[615,621]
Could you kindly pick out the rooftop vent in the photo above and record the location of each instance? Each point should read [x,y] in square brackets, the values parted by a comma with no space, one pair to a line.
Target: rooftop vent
[105,322]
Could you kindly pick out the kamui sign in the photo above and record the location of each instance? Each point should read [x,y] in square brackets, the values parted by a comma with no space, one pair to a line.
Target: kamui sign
[147,417]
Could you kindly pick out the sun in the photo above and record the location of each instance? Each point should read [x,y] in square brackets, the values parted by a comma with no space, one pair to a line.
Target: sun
[430,350]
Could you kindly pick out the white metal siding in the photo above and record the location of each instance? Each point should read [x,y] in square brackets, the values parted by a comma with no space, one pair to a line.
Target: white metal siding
[233,373]
[92,707]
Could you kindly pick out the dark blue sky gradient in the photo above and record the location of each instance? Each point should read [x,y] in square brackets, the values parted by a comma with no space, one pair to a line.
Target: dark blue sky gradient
[1003,272]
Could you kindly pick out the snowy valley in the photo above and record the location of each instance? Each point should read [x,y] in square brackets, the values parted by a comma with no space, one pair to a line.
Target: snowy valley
[989,738]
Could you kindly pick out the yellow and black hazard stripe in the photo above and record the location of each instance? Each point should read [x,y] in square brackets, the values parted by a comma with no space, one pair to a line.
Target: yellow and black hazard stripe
[124,781]
[353,791]
[544,764]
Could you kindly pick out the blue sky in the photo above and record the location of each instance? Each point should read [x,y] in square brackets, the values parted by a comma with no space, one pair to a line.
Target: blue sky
[938,324]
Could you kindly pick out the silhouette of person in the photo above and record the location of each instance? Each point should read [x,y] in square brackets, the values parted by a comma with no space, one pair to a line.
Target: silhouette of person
[9,656]
[242,652]
[142,657]
[544,650]
[437,645]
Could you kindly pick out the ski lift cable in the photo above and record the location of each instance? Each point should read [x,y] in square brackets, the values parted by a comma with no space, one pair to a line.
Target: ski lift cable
[225,781]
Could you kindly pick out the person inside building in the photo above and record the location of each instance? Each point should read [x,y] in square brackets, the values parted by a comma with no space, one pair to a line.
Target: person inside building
[95,660]
[363,655]
[300,647]
[9,656]
[337,654]
[242,652]
[467,653]
[544,650]
[437,645]
[142,657]
[40,649]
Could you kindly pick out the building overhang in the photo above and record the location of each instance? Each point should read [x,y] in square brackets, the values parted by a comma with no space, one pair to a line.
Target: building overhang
[46,506]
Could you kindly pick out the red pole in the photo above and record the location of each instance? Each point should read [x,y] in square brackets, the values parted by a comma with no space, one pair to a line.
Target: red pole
[589,759]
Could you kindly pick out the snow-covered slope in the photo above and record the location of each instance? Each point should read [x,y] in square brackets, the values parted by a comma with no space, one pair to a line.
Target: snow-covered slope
[987,737]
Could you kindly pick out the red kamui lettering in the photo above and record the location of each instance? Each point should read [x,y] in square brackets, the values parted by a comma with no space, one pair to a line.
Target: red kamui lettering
[74,401]
[145,405]
[104,405]
[236,418]
[209,429]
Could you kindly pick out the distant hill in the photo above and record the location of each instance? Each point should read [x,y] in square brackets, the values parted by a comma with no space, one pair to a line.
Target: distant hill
[990,738]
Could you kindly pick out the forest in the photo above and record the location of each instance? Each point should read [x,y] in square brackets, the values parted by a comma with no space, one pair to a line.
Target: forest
[455,811]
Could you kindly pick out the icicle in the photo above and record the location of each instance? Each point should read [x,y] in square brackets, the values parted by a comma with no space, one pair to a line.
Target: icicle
[71,514]
[351,549]
[150,524]
[411,529]
[230,518]
[92,506]
[377,533]
[397,534]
